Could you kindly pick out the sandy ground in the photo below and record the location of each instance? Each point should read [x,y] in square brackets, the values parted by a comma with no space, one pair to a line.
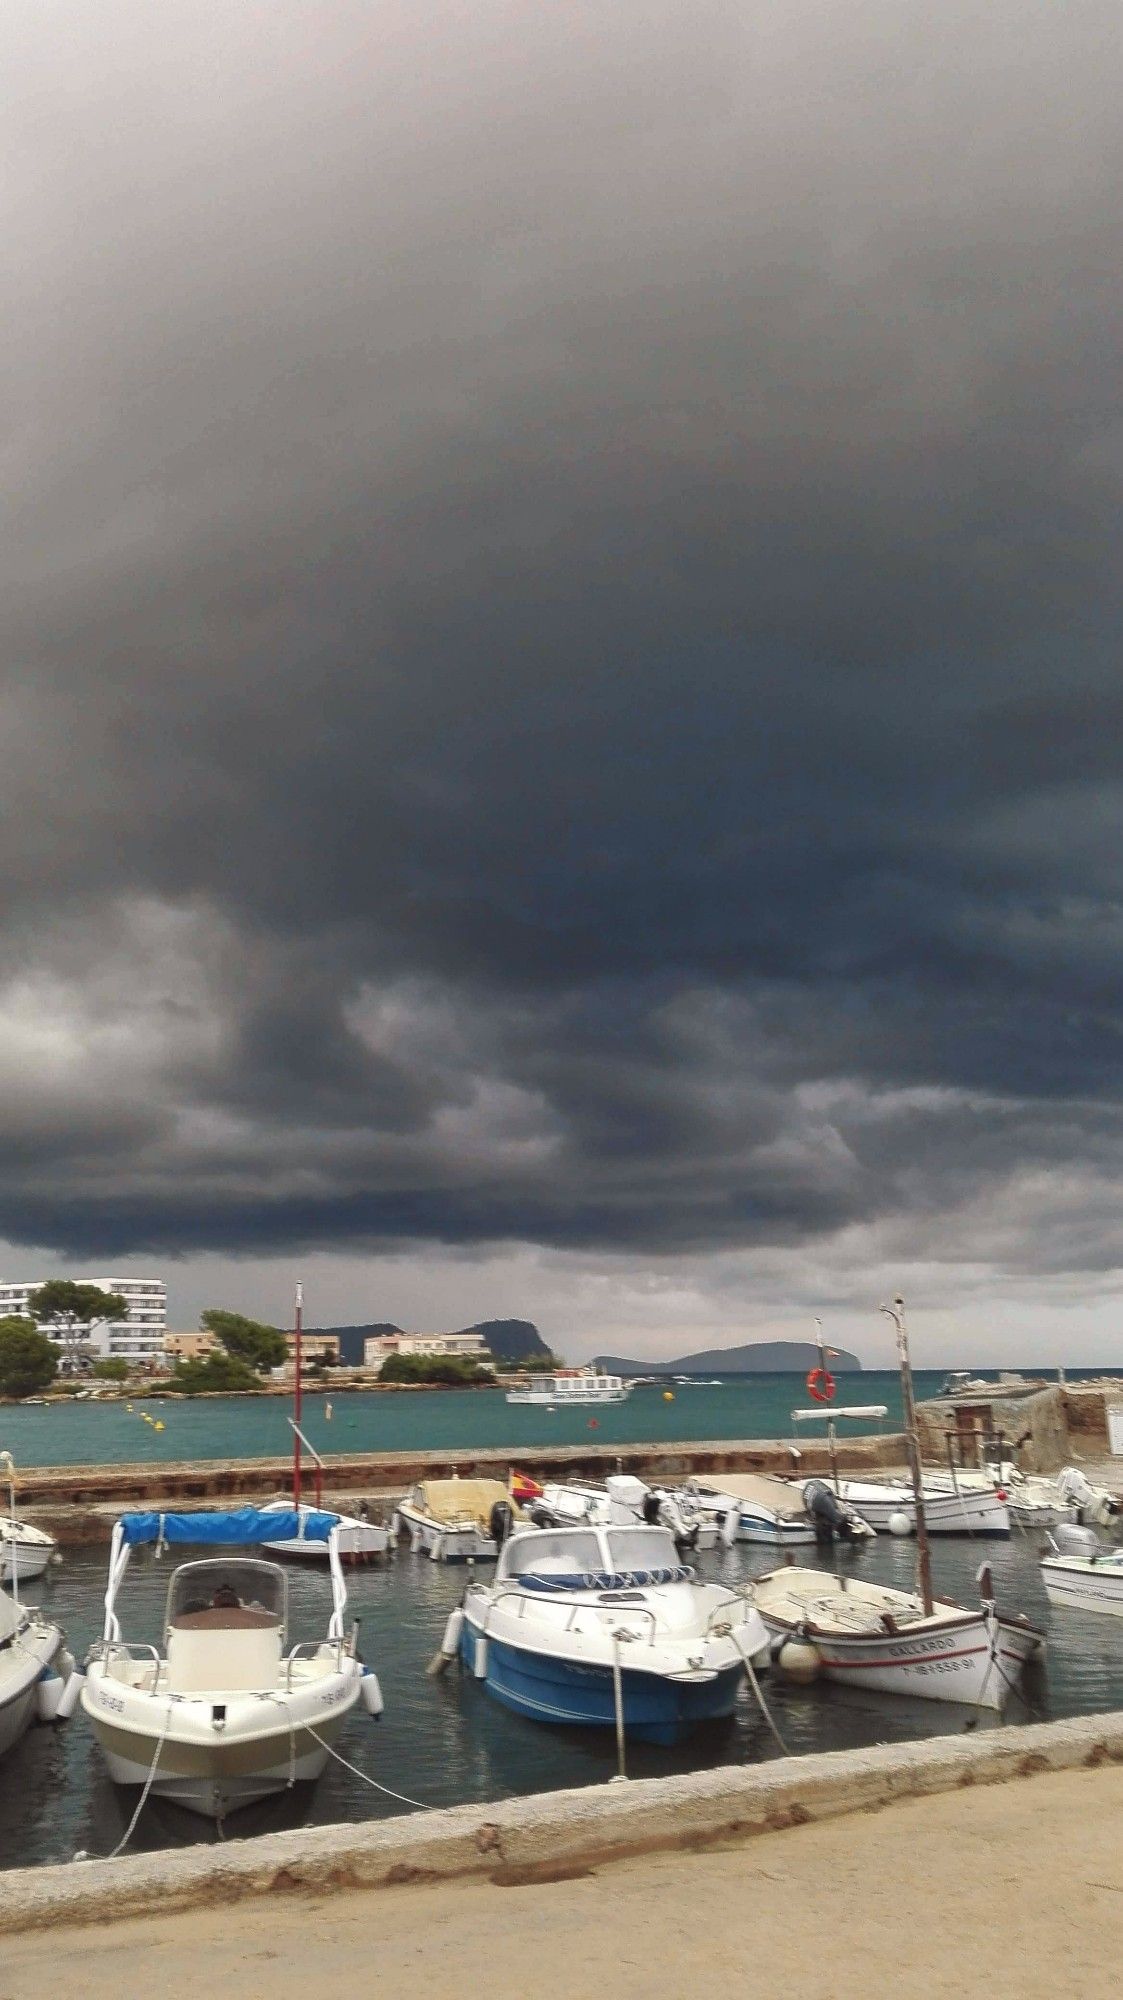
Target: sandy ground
[1012,1889]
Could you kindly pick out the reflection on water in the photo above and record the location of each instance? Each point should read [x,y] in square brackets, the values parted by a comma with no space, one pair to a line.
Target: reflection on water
[444,1741]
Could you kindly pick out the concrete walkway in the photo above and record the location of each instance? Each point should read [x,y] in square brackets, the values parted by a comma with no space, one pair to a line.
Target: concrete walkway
[1014,1889]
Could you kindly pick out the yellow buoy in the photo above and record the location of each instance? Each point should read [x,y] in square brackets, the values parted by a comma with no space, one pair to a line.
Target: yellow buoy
[129,1408]
[159,1424]
[668,1395]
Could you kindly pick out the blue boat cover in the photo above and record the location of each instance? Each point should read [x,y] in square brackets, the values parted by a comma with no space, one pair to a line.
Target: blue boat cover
[245,1524]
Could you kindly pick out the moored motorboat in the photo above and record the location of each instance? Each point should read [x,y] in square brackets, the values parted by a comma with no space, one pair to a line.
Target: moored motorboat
[225,1712]
[867,1635]
[588,1625]
[624,1501]
[1081,1572]
[25,1551]
[765,1510]
[455,1520]
[35,1670]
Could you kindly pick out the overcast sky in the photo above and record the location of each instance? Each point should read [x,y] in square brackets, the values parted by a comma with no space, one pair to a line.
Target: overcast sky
[560,588]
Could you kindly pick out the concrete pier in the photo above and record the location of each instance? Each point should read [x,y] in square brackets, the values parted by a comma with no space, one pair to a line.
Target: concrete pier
[558,1836]
[79,1502]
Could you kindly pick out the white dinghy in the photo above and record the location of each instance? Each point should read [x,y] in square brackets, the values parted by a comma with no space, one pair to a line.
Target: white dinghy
[228,1712]
[1081,1572]
[755,1507]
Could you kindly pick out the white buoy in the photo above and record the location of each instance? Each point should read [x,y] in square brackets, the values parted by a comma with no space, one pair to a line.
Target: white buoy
[899,1523]
[48,1694]
[800,1661]
[450,1644]
[370,1689]
[68,1700]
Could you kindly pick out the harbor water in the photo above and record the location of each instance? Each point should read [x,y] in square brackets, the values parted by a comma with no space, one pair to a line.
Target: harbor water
[445,1742]
[742,1406]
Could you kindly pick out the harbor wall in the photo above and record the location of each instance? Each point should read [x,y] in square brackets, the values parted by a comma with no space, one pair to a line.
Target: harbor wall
[552,1836]
[78,1502]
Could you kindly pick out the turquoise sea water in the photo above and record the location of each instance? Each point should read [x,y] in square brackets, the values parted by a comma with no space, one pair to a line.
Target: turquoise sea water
[745,1406]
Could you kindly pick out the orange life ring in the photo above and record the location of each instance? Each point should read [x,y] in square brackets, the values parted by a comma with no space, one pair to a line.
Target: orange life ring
[820,1384]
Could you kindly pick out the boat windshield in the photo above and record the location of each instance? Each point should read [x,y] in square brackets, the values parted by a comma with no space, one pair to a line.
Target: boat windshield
[642,1549]
[546,1552]
[229,1585]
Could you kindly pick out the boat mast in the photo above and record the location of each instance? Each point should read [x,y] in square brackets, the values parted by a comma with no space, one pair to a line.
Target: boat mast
[831,1445]
[896,1312]
[296,1395]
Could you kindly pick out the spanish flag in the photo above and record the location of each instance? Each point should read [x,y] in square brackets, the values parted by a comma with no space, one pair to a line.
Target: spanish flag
[522,1488]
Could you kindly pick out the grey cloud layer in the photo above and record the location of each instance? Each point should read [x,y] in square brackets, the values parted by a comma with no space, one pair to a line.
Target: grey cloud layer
[561,622]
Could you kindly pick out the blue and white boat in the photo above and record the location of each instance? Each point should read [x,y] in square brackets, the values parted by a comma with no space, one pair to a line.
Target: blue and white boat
[574,1613]
[225,1711]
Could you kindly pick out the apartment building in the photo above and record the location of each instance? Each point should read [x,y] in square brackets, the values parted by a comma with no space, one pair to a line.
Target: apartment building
[465,1346]
[138,1338]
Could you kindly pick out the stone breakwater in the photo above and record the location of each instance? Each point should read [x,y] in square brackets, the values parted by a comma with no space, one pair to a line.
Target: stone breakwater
[79,1502]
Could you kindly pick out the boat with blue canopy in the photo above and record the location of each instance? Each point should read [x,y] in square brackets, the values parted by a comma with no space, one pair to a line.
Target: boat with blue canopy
[224,1710]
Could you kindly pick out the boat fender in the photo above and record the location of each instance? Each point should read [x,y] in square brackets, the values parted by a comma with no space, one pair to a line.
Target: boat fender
[800,1661]
[479,1661]
[48,1694]
[370,1688]
[731,1521]
[899,1523]
[68,1700]
[454,1626]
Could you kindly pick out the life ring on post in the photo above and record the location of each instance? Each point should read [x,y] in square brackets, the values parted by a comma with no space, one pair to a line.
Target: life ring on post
[820,1384]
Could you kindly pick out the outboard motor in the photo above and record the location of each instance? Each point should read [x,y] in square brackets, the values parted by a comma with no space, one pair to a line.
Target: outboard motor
[828,1514]
[1069,1540]
[499,1522]
[652,1509]
[670,1515]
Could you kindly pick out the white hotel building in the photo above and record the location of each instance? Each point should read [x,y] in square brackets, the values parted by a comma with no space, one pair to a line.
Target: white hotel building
[137,1338]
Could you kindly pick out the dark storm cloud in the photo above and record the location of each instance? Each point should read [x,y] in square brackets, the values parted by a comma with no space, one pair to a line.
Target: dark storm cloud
[561,612]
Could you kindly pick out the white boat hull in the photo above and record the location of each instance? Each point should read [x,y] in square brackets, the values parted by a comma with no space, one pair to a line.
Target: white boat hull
[1083,1585]
[21,1668]
[265,1741]
[945,1511]
[576,1399]
[443,1541]
[25,1552]
[877,1638]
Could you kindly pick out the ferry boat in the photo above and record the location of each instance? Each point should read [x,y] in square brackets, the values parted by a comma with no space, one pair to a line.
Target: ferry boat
[573,1386]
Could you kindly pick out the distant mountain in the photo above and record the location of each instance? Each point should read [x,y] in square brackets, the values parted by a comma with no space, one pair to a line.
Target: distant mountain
[511,1339]
[758,1357]
[507,1339]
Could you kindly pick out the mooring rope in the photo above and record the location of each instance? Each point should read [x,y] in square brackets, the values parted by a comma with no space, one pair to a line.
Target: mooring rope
[365,1776]
[143,1799]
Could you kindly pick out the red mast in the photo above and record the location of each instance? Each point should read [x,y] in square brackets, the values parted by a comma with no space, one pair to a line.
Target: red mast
[297,1330]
